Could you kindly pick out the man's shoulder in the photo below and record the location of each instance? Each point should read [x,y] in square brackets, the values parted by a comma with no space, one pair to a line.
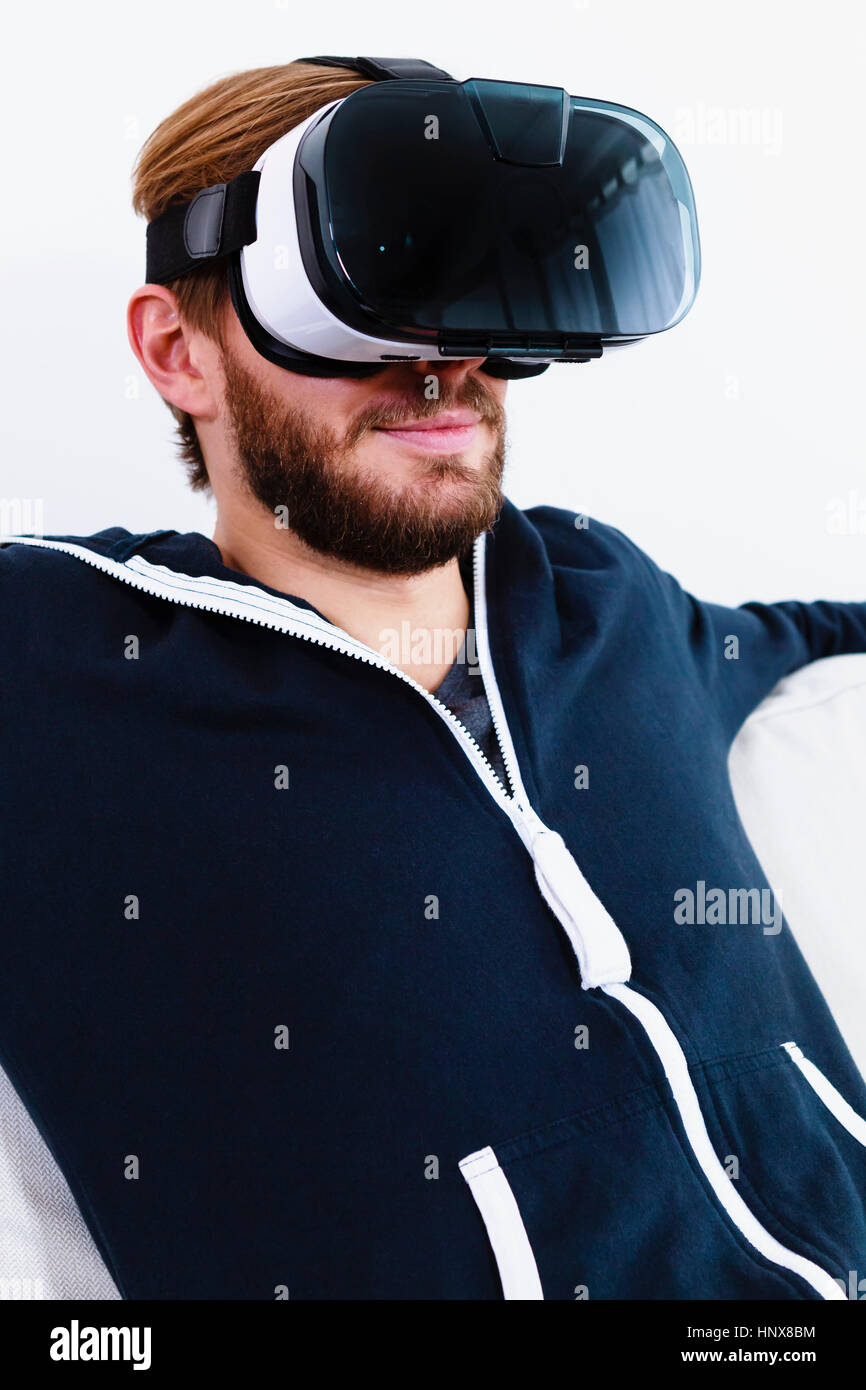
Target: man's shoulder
[578,541]
[38,569]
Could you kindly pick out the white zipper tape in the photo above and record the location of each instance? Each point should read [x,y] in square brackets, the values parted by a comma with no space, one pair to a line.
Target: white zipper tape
[485,662]
[251,604]
[600,948]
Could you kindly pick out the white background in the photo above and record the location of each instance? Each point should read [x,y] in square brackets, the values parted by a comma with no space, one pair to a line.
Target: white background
[720,447]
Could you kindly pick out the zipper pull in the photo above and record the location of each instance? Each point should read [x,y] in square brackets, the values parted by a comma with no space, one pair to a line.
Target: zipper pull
[598,943]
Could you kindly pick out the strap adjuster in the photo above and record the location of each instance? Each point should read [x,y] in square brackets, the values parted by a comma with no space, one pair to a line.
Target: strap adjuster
[203,224]
[218,220]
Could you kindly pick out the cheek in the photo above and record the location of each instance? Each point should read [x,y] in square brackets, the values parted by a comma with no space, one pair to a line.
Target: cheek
[328,401]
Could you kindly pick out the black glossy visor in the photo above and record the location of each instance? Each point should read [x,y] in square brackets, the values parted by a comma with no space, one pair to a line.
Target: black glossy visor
[491,215]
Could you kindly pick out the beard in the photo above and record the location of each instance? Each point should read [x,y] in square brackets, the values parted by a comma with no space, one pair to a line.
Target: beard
[286,460]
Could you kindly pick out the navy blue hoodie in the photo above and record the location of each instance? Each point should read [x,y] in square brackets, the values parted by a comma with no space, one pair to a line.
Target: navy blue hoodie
[303,998]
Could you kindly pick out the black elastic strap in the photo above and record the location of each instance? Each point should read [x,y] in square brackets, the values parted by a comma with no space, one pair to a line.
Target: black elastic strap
[384,69]
[219,219]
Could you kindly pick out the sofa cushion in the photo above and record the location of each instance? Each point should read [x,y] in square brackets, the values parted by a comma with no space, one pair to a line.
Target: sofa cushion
[798,770]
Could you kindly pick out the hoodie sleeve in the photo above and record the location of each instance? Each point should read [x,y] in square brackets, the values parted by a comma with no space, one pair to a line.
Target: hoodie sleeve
[741,653]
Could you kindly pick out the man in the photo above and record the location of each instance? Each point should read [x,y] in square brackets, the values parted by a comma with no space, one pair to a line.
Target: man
[348,961]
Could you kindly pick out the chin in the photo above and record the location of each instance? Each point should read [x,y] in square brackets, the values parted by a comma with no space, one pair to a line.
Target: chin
[435,470]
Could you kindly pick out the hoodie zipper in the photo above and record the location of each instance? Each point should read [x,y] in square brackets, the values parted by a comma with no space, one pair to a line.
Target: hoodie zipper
[600,948]
[195,593]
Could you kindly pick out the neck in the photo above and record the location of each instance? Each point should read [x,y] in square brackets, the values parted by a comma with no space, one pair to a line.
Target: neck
[417,621]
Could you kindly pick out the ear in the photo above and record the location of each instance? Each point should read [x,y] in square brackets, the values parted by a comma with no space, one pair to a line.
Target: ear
[178,362]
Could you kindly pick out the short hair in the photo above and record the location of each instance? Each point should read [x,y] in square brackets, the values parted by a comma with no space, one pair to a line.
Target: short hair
[215,135]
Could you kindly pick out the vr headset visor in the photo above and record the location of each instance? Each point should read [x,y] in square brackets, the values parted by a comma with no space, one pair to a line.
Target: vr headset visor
[423,218]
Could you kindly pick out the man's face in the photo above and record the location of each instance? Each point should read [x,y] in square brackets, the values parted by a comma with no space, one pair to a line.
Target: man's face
[360,474]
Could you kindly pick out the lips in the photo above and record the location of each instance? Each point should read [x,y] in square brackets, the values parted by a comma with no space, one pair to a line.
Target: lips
[446,419]
[445,433]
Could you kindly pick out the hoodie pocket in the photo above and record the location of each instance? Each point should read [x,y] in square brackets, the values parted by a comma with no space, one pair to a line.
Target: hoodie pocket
[610,1204]
[800,1151]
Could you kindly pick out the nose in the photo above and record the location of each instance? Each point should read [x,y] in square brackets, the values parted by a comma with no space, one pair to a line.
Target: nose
[453,369]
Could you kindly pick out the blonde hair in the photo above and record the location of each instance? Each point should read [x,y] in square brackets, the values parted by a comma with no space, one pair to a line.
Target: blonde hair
[215,135]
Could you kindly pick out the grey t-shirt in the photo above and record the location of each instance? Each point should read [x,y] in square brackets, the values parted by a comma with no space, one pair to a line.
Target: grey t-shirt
[463,692]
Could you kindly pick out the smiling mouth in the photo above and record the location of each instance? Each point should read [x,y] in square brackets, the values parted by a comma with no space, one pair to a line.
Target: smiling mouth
[449,437]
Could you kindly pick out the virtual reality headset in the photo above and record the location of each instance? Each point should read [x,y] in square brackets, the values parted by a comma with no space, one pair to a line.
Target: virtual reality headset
[425,219]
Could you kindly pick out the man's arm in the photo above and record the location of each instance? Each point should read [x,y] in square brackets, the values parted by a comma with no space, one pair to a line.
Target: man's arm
[741,653]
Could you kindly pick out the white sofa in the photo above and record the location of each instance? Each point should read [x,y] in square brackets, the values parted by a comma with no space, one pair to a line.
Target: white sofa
[798,770]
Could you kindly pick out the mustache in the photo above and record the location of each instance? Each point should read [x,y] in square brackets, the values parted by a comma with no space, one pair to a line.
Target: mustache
[410,405]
